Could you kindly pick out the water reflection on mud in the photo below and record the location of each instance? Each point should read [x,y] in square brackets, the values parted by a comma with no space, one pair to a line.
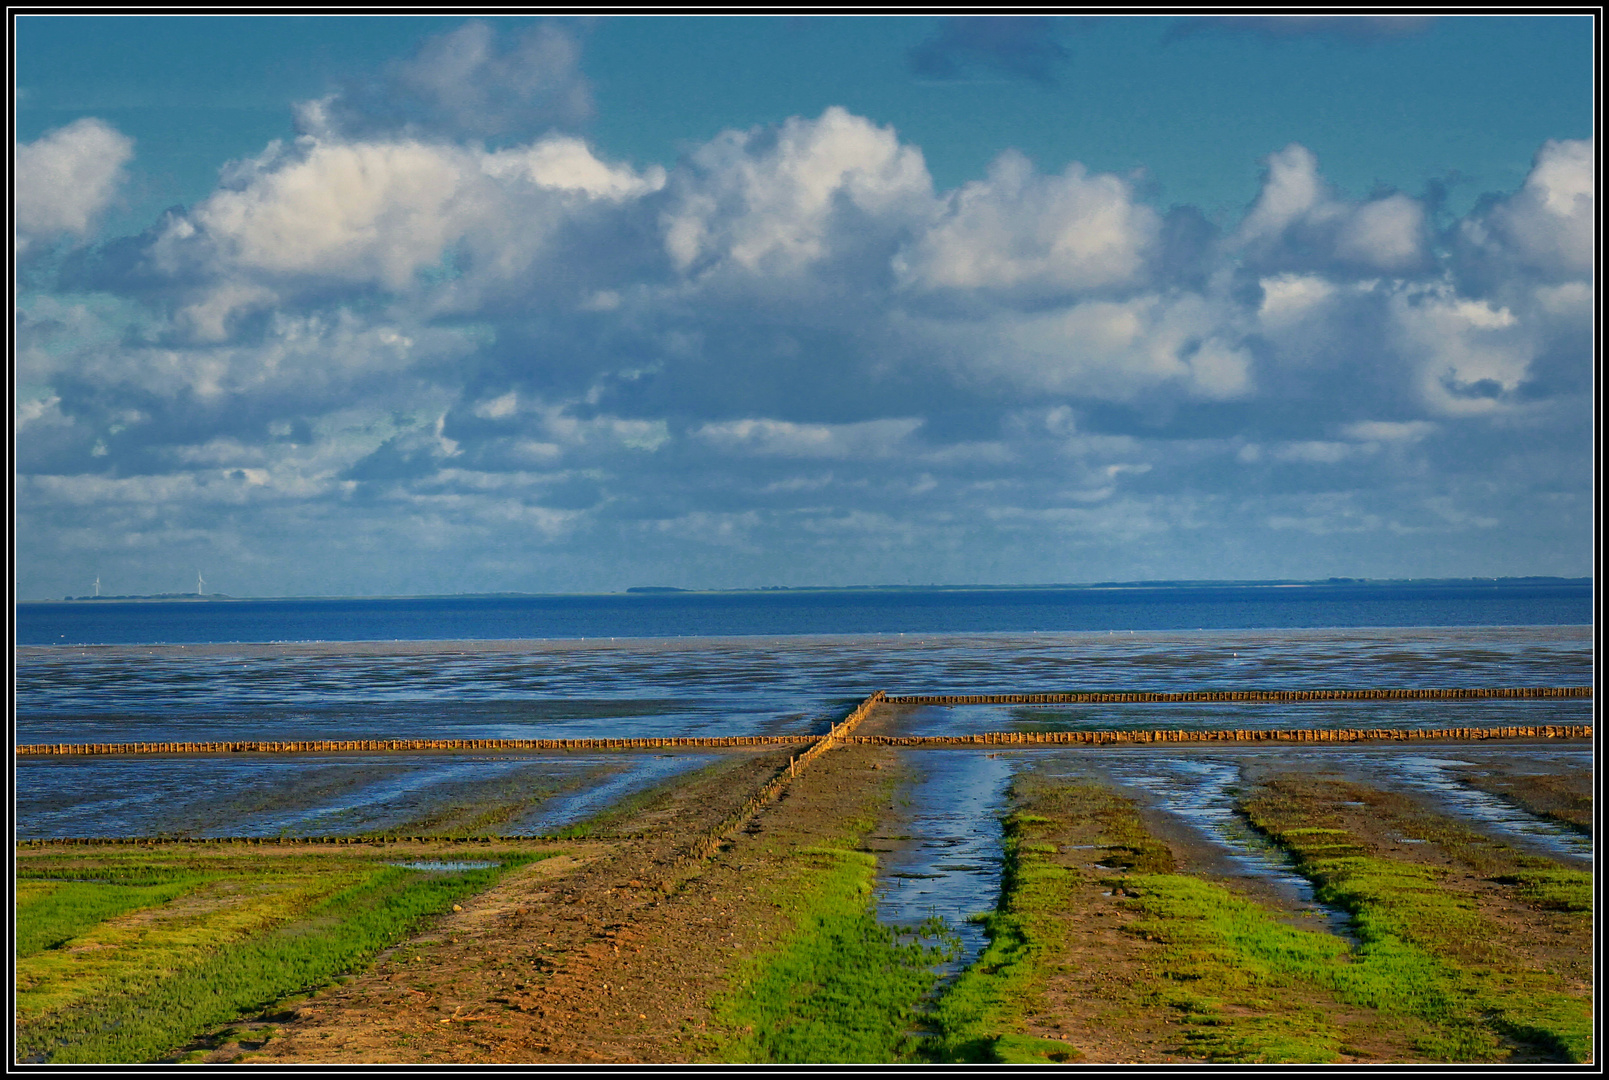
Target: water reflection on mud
[1248,716]
[944,860]
[756,685]
[639,773]
[1200,791]
[1199,788]
[1440,777]
[336,795]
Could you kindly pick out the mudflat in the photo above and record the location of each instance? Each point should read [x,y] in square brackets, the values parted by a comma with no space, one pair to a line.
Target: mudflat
[1120,934]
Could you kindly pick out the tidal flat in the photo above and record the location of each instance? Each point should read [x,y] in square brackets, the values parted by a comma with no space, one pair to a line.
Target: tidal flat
[1268,904]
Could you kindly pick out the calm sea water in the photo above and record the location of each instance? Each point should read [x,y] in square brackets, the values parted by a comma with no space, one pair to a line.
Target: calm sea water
[829,611]
[690,664]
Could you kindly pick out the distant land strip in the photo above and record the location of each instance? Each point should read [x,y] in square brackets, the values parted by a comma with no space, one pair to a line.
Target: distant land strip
[1141,696]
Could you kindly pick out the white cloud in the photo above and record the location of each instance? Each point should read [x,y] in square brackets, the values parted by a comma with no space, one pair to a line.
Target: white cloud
[1549,225]
[1291,299]
[565,163]
[1298,222]
[353,210]
[464,83]
[602,431]
[462,347]
[1113,350]
[1072,231]
[1292,191]
[65,179]
[385,212]
[1387,234]
[766,201]
[1469,354]
[780,438]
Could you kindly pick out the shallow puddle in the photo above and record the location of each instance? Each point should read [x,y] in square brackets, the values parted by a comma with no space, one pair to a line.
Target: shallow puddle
[946,860]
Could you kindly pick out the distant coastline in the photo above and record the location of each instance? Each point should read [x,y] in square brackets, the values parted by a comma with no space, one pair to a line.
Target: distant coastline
[664,590]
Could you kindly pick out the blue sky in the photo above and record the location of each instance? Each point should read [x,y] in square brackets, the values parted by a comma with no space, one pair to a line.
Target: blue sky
[396,305]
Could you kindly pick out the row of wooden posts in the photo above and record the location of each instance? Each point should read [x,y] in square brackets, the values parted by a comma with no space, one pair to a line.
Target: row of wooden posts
[840,732]
[816,745]
[1323,735]
[1269,696]
[324,746]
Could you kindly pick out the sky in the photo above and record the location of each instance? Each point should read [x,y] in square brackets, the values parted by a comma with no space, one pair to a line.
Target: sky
[401,305]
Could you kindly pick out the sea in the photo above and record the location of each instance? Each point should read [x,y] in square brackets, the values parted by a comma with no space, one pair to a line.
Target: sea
[664,663]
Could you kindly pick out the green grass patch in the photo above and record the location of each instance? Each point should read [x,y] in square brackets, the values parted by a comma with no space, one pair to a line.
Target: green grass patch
[1241,982]
[1552,887]
[50,914]
[842,988]
[1228,967]
[1425,950]
[143,983]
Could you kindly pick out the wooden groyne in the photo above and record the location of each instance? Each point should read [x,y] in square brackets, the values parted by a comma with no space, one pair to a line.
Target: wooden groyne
[1293,735]
[327,746]
[840,733]
[1097,697]
[818,744]
[279,841]
[705,846]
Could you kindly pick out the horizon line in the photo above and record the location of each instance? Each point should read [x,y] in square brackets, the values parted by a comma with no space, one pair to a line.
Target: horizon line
[662,590]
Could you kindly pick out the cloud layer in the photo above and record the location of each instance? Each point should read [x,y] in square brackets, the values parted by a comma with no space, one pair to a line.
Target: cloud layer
[392,357]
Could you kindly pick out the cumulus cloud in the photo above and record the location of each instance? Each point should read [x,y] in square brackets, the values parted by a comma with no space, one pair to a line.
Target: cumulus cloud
[1471,355]
[1020,231]
[784,353]
[1297,223]
[776,201]
[1112,350]
[381,214]
[64,180]
[465,83]
[1548,227]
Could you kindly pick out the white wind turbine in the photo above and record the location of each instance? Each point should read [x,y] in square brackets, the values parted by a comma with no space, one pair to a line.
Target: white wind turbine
[199,583]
